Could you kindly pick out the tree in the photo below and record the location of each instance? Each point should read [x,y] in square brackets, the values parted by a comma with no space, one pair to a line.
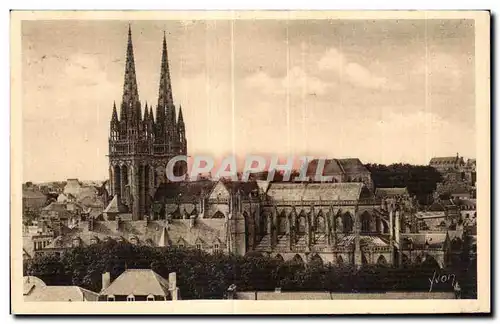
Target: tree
[420,180]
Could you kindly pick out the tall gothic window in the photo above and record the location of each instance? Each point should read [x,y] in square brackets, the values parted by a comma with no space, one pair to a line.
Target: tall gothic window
[302,224]
[282,223]
[347,223]
[365,222]
[320,224]
[263,224]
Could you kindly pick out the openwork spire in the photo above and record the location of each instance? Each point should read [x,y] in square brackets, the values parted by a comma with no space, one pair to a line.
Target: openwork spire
[130,92]
[114,116]
[181,119]
[165,100]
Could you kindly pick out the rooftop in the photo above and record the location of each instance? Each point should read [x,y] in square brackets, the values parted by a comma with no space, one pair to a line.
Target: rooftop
[138,282]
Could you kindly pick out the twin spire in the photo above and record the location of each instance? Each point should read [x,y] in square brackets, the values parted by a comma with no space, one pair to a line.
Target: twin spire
[131,113]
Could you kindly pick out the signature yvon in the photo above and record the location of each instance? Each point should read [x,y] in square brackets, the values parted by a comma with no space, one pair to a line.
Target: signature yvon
[436,279]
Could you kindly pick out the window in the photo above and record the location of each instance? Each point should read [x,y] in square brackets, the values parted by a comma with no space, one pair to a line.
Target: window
[111,298]
[216,248]
[198,246]
[150,298]
[130,298]
[302,225]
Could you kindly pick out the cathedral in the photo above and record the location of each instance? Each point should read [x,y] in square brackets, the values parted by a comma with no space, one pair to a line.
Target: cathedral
[342,221]
[140,143]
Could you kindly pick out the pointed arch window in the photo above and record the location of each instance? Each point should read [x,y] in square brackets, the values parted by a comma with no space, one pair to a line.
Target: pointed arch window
[282,223]
[301,227]
[347,223]
[320,224]
[365,222]
[263,224]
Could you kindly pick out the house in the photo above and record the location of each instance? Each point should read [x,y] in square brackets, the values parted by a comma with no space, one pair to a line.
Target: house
[139,285]
[35,290]
[33,198]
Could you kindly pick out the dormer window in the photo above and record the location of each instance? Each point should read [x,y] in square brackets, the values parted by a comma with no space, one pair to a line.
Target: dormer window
[111,297]
[150,298]
[130,298]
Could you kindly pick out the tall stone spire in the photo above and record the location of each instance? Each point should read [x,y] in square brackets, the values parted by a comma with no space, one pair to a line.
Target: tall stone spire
[114,115]
[165,114]
[181,118]
[130,98]
[165,91]
[146,113]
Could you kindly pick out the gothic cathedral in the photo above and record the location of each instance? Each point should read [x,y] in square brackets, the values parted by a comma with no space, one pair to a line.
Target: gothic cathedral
[141,144]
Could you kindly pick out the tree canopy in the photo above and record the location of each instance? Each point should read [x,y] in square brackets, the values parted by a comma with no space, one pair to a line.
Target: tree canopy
[420,180]
[207,276]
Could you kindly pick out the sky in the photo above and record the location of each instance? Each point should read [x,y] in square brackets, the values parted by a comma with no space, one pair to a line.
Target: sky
[384,91]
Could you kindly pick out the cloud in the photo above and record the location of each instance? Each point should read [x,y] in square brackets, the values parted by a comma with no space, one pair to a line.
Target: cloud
[297,82]
[356,74]
[444,70]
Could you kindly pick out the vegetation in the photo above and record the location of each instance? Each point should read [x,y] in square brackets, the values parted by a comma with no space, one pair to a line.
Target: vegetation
[421,181]
[205,276]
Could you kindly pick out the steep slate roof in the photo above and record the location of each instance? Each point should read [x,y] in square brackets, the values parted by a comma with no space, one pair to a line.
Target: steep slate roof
[113,206]
[187,191]
[373,240]
[314,191]
[147,233]
[331,167]
[32,193]
[435,240]
[245,188]
[56,206]
[390,192]
[30,283]
[138,282]
[436,206]
[352,165]
[61,293]
[442,159]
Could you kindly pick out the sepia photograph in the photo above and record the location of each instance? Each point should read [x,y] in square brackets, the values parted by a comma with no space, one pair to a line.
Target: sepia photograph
[201,162]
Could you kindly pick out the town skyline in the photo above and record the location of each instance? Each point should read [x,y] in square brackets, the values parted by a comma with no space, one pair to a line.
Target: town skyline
[313,88]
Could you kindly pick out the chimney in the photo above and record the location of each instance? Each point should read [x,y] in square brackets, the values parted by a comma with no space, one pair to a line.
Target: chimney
[192,221]
[231,292]
[172,286]
[106,280]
